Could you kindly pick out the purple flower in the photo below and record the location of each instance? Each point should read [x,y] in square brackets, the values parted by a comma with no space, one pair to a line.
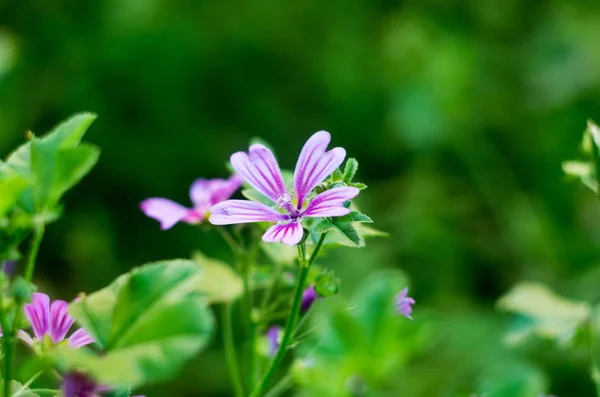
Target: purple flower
[53,320]
[404,303]
[77,384]
[260,170]
[204,194]
[308,298]
[274,335]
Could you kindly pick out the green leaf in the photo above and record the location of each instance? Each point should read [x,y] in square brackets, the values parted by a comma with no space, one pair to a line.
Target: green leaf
[280,253]
[358,185]
[347,232]
[355,216]
[19,390]
[350,170]
[512,379]
[11,188]
[219,282]
[326,283]
[148,322]
[336,176]
[551,316]
[72,165]
[38,161]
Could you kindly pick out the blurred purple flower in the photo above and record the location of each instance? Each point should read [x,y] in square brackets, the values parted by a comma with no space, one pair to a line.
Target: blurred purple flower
[204,193]
[273,339]
[53,320]
[260,170]
[308,298]
[9,267]
[77,384]
[404,303]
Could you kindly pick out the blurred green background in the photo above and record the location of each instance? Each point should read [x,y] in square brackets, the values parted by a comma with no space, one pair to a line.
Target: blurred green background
[460,114]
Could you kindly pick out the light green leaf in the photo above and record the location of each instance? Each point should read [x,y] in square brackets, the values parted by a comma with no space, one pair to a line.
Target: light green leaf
[350,170]
[72,165]
[69,133]
[11,188]
[19,390]
[358,185]
[551,315]
[218,281]
[148,322]
[280,253]
[582,171]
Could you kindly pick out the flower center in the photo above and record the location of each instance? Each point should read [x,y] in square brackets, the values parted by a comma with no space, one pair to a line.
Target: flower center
[284,201]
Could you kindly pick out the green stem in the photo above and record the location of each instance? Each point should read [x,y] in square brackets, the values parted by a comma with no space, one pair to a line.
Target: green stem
[292,319]
[230,355]
[281,386]
[593,350]
[45,391]
[247,304]
[38,233]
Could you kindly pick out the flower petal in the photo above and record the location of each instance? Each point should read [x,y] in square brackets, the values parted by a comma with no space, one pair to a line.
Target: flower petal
[167,212]
[38,313]
[60,320]
[243,211]
[25,337]
[80,338]
[331,202]
[260,170]
[207,192]
[315,164]
[288,233]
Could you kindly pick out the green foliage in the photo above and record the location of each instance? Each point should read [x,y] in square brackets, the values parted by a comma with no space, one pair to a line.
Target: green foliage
[52,164]
[350,170]
[326,283]
[218,282]
[512,379]
[11,188]
[19,390]
[347,230]
[359,342]
[147,323]
[588,172]
[550,315]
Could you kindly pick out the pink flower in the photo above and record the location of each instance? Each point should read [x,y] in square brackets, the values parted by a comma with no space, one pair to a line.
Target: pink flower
[404,303]
[203,192]
[54,321]
[260,170]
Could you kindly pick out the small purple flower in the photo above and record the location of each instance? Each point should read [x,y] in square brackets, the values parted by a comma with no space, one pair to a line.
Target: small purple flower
[260,170]
[9,267]
[404,303]
[308,298]
[53,320]
[77,384]
[204,194]
[274,335]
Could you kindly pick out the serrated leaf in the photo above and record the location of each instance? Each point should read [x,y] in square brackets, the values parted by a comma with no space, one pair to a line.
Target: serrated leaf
[551,315]
[347,231]
[355,216]
[358,185]
[336,176]
[350,170]
[218,281]
[138,322]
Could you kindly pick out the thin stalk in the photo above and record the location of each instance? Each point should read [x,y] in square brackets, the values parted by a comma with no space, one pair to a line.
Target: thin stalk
[230,355]
[593,346]
[247,304]
[45,391]
[38,233]
[292,319]
[26,385]
[281,387]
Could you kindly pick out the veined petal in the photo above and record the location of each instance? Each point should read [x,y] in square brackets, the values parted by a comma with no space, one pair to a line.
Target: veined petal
[38,313]
[80,338]
[167,212]
[207,192]
[315,164]
[288,233]
[60,320]
[260,170]
[243,211]
[331,202]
